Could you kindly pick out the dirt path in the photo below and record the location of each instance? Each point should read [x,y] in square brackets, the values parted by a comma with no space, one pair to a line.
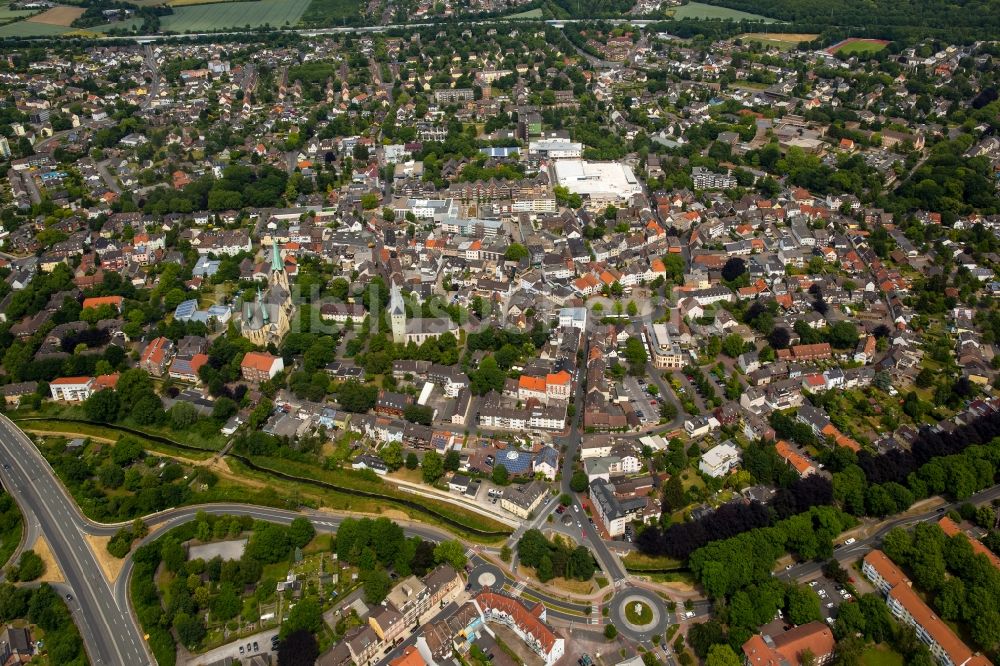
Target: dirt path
[55,433]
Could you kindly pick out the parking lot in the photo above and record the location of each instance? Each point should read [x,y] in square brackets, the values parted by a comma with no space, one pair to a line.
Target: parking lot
[640,400]
[830,597]
[259,643]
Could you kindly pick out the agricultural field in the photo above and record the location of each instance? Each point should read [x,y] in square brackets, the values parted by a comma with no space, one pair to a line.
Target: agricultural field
[8,14]
[188,3]
[782,40]
[858,46]
[204,18]
[63,16]
[330,12]
[698,10]
[32,29]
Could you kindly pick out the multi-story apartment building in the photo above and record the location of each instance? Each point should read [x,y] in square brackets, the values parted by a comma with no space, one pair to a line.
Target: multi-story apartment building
[908,607]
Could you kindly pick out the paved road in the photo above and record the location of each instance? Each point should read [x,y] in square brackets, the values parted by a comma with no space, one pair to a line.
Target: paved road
[857,549]
[608,561]
[108,631]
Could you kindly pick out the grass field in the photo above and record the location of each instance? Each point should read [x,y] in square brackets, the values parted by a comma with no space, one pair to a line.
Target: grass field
[32,29]
[857,46]
[188,3]
[530,14]
[330,12]
[8,14]
[698,10]
[59,16]
[881,656]
[218,16]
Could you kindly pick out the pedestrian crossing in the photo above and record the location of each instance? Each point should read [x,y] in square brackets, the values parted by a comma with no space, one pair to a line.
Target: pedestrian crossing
[595,614]
[518,589]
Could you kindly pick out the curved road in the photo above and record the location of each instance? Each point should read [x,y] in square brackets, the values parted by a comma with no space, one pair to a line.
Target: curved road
[103,611]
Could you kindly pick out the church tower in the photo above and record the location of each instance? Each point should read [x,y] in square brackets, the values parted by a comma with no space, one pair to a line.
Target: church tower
[278,274]
[397,315]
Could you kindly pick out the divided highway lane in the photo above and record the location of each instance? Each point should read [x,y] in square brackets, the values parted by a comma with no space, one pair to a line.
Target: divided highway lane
[110,634]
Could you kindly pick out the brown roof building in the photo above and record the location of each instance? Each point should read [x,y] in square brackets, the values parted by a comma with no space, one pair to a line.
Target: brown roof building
[787,649]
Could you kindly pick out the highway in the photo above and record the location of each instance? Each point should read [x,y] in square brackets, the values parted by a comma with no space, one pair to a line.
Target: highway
[108,631]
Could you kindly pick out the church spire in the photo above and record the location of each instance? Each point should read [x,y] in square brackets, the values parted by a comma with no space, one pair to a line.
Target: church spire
[276,263]
[263,308]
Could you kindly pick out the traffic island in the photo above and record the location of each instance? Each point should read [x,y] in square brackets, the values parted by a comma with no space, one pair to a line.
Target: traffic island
[638,614]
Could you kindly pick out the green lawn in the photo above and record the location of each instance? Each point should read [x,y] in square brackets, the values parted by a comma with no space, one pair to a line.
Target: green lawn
[698,10]
[862,47]
[205,18]
[640,618]
[879,655]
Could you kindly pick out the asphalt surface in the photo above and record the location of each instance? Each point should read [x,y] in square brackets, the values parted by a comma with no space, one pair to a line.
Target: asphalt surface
[108,631]
[103,611]
[858,549]
[608,561]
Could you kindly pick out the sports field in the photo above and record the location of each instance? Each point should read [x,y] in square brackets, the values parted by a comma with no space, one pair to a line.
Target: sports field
[782,40]
[858,46]
[218,16]
[698,10]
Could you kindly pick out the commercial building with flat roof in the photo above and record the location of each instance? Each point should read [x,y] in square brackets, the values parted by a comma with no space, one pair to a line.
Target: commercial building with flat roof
[602,183]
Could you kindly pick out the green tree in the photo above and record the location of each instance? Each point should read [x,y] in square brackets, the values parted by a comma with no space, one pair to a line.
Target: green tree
[102,406]
[452,552]
[610,632]
[307,615]
[722,655]
[376,585]
[578,482]
[500,475]
[30,567]
[432,467]
[301,532]
[412,462]
[516,252]
[191,630]
[392,455]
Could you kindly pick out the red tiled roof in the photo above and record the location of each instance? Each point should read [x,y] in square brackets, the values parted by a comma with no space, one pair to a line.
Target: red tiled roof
[526,619]
[155,351]
[258,361]
[949,527]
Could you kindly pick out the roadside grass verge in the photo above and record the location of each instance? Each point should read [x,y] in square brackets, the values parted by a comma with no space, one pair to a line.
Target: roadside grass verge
[111,434]
[640,563]
[474,525]
[299,482]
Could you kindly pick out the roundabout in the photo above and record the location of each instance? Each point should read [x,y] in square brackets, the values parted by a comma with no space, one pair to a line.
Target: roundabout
[638,613]
[485,574]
